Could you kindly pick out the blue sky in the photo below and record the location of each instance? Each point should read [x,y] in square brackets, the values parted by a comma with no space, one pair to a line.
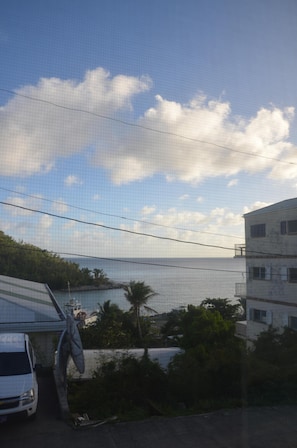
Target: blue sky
[169,118]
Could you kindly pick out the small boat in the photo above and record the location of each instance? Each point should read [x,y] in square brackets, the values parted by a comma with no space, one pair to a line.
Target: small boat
[75,309]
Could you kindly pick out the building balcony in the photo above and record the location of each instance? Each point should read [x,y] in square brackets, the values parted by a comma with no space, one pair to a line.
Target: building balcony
[239,250]
[240,290]
[240,329]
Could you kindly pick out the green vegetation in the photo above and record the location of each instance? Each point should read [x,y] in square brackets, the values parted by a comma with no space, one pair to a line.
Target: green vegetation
[129,388]
[205,376]
[115,328]
[214,371]
[137,294]
[271,374]
[28,262]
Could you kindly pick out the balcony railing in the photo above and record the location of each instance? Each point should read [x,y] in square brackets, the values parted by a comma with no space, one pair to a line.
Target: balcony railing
[239,250]
[240,290]
[240,329]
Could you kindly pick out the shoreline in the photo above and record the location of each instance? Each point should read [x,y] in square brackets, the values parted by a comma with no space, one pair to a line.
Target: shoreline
[85,288]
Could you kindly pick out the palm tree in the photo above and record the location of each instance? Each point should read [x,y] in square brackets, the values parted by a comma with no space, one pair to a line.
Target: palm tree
[137,294]
[100,276]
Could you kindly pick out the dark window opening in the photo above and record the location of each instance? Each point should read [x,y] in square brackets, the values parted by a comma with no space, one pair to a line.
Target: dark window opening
[283,227]
[292,227]
[293,275]
[258,273]
[15,363]
[259,315]
[293,322]
[258,230]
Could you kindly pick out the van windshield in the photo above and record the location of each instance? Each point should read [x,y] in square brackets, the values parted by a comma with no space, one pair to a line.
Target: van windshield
[16,363]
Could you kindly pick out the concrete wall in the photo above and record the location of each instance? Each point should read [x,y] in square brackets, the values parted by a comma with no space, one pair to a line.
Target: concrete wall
[274,243]
[277,253]
[95,358]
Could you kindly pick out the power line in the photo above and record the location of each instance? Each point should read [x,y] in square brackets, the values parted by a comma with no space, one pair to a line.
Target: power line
[133,232]
[147,128]
[124,260]
[138,262]
[118,216]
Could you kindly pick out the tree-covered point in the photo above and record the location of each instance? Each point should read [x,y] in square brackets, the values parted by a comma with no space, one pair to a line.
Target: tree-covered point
[28,262]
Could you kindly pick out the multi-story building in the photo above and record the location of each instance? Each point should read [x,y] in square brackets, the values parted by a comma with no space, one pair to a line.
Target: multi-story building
[271,269]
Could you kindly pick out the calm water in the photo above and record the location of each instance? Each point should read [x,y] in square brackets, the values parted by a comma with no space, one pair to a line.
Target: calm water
[178,282]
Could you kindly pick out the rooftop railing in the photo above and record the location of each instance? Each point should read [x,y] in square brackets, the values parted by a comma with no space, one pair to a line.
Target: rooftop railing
[240,290]
[239,250]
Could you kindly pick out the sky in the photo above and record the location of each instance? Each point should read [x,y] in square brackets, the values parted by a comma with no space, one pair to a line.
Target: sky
[145,129]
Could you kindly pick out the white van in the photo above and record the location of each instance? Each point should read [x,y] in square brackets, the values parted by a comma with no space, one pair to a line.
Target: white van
[18,382]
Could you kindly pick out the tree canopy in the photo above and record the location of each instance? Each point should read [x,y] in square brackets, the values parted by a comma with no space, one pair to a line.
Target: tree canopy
[28,262]
[138,294]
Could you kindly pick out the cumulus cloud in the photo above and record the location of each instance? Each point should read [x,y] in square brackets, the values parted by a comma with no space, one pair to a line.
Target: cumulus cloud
[60,206]
[35,133]
[232,183]
[72,180]
[146,210]
[45,222]
[191,142]
[183,197]
[185,142]
[22,206]
[255,206]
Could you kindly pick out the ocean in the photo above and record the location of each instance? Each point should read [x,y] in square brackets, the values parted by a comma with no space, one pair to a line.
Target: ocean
[178,282]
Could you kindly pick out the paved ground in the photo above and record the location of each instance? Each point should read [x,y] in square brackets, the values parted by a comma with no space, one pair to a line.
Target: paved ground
[249,428]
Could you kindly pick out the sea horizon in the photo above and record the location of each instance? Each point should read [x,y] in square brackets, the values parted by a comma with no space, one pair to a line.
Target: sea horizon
[178,282]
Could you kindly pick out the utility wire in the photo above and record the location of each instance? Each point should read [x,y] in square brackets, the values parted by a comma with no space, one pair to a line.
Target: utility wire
[133,232]
[138,262]
[147,128]
[117,216]
[124,260]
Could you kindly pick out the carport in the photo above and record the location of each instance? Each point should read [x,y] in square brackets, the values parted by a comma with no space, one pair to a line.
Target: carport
[30,307]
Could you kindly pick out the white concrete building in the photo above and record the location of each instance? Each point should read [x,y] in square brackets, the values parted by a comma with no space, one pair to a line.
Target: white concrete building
[30,307]
[271,269]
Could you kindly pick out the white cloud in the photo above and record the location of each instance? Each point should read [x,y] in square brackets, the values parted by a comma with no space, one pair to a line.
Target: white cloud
[35,133]
[146,210]
[190,142]
[60,206]
[183,197]
[72,180]
[193,143]
[200,199]
[255,206]
[232,183]
[22,206]
[45,222]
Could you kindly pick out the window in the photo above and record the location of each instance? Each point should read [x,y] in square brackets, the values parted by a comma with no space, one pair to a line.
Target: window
[258,230]
[258,315]
[260,273]
[293,322]
[14,363]
[292,275]
[288,227]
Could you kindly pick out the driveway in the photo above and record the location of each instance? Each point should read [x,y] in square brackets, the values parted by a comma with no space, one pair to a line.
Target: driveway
[274,427]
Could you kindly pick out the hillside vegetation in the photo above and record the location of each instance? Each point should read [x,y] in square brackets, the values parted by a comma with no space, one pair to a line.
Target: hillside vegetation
[28,262]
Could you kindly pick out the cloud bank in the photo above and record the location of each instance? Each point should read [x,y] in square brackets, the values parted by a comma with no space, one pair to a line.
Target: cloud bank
[34,134]
[184,142]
